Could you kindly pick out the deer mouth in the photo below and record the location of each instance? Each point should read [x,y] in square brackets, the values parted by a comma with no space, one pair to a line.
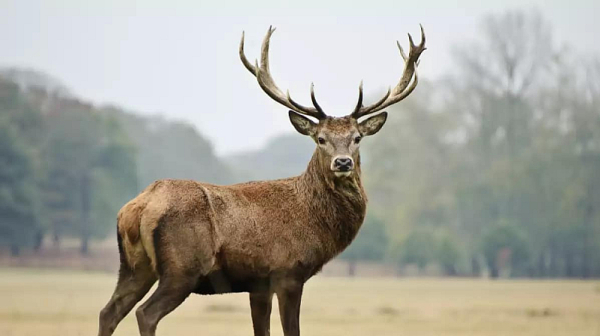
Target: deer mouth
[342,173]
[342,170]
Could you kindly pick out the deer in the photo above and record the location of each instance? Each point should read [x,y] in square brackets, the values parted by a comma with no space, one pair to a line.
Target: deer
[265,238]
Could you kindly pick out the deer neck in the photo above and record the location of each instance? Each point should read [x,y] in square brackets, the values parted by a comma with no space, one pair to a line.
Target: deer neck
[338,204]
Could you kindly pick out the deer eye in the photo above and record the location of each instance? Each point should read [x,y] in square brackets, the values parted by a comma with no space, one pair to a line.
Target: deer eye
[321,141]
[357,139]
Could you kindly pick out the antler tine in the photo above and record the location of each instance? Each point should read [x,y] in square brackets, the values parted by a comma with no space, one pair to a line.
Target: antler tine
[301,108]
[422,44]
[266,82]
[363,111]
[314,99]
[264,50]
[401,51]
[359,104]
[402,89]
[410,40]
[245,61]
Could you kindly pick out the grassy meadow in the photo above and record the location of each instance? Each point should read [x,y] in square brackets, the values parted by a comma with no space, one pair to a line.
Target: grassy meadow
[66,303]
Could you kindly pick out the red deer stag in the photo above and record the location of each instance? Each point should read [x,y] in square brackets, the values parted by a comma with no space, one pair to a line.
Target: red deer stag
[263,238]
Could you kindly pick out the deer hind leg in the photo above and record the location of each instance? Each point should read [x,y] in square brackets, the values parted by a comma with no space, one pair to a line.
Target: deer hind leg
[183,258]
[131,288]
[171,292]
[260,304]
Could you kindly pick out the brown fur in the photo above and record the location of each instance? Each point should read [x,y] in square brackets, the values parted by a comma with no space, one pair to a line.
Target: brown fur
[258,237]
[240,222]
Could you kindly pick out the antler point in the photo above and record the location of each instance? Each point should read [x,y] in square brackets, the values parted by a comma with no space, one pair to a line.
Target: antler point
[422,44]
[410,39]
[268,85]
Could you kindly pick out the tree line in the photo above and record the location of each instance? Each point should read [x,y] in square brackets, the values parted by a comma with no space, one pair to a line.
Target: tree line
[496,167]
[66,166]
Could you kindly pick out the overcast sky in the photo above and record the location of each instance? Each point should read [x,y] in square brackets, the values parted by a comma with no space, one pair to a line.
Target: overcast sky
[179,58]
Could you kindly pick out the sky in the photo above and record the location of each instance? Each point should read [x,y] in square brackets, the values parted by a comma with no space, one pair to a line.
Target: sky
[180,58]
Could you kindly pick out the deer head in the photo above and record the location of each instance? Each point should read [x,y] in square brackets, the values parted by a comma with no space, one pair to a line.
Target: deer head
[337,138]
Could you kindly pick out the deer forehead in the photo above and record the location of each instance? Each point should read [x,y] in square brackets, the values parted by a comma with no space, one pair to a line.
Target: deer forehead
[338,127]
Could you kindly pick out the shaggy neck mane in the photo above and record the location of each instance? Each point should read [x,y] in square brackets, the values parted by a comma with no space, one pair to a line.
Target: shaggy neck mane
[338,204]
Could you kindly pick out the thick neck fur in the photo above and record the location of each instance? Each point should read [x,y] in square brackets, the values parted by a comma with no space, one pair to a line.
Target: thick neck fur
[337,204]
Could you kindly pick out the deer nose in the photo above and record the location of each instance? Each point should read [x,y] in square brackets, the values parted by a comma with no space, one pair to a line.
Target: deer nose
[343,164]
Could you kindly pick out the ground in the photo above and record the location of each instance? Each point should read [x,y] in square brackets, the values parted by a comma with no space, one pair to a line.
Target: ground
[44,302]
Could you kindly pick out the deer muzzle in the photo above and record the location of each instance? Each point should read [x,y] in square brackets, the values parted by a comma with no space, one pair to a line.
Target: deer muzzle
[342,165]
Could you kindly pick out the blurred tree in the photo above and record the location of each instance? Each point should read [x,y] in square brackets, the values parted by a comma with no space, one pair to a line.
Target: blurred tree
[448,255]
[80,164]
[370,244]
[18,203]
[21,132]
[512,136]
[283,156]
[167,149]
[572,116]
[505,247]
[419,248]
[409,167]
[492,86]
[91,170]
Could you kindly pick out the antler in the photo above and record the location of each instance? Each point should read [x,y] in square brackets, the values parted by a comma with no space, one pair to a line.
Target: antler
[402,90]
[266,82]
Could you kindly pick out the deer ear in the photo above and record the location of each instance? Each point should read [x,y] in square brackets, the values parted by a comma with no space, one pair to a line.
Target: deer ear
[373,124]
[301,124]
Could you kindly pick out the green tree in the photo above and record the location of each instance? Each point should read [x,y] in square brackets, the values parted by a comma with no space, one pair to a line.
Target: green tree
[18,203]
[419,248]
[167,149]
[370,244]
[91,171]
[505,246]
[283,156]
[21,132]
[448,255]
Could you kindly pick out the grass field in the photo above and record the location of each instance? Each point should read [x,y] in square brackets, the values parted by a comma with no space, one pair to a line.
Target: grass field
[39,302]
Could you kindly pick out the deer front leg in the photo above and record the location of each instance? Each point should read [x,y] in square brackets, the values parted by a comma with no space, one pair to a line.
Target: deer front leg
[260,304]
[289,297]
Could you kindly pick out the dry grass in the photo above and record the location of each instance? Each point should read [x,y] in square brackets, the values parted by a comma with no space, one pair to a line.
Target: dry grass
[67,303]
